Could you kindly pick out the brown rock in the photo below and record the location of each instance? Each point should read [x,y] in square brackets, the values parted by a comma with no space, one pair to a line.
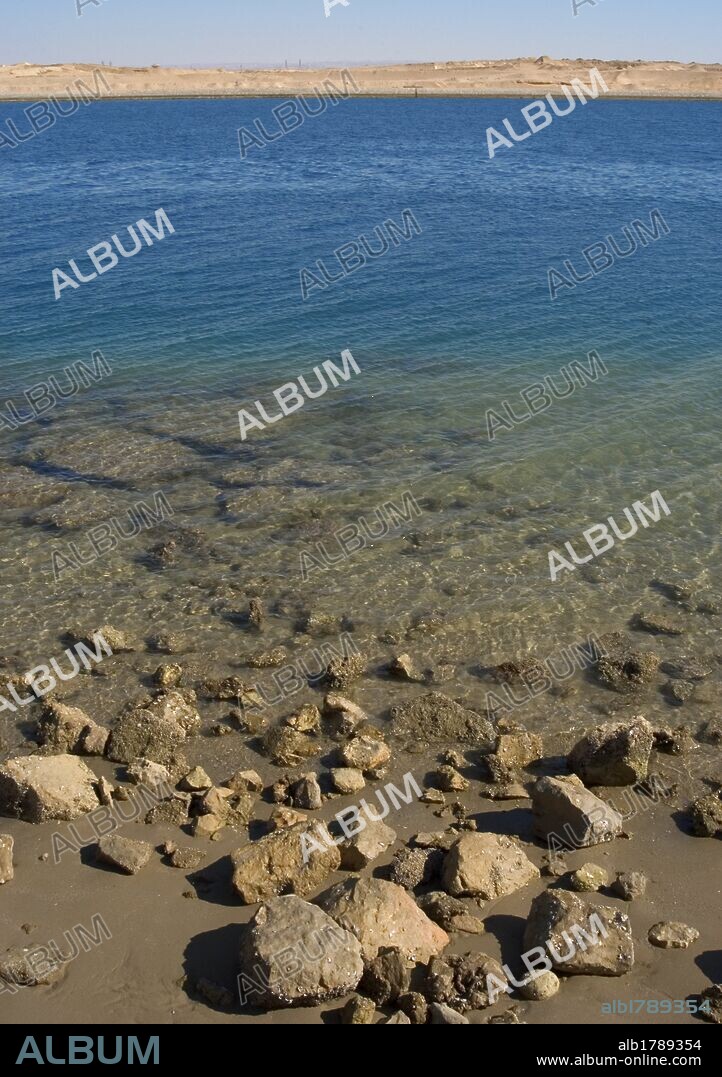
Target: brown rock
[347,779]
[69,729]
[706,816]
[275,863]
[569,813]
[365,753]
[382,915]
[460,981]
[671,935]
[363,848]
[298,955]
[591,940]
[614,754]
[124,854]
[487,866]
[38,788]
[436,719]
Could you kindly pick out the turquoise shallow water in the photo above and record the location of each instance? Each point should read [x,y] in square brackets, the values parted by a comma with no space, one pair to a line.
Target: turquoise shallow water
[450,323]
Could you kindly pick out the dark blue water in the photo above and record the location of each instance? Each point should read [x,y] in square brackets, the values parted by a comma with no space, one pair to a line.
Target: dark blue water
[222,299]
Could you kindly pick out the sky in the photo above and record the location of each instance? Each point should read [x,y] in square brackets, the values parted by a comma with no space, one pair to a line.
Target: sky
[271,32]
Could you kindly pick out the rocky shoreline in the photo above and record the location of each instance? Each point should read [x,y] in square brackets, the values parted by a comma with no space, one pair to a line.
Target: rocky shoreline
[348,917]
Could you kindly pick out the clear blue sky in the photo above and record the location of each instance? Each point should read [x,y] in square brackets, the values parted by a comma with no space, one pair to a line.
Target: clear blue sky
[271,31]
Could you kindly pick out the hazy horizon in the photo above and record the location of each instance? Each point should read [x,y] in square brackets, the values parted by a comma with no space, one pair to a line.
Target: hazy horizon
[271,65]
[181,33]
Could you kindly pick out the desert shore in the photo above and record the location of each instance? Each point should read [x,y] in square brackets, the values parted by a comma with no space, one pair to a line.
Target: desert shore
[523,77]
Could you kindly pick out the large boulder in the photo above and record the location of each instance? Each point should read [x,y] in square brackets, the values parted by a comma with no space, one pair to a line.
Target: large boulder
[580,938]
[37,788]
[614,754]
[486,866]
[381,914]
[293,954]
[565,810]
[275,864]
[436,719]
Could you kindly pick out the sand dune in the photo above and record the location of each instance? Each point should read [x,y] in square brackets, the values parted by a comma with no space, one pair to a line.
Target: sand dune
[521,77]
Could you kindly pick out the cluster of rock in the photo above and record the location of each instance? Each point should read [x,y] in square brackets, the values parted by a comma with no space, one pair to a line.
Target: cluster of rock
[312,938]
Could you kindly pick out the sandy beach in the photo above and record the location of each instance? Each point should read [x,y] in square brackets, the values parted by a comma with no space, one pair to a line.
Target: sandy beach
[523,77]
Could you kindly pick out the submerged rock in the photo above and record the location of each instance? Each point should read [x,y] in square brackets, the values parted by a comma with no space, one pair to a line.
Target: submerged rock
[657,624]
[168,675]
[342,672]
[232,690]
[436,719]
[293,954]
[688,668]
[402,667]
[623,668]
[119,642]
